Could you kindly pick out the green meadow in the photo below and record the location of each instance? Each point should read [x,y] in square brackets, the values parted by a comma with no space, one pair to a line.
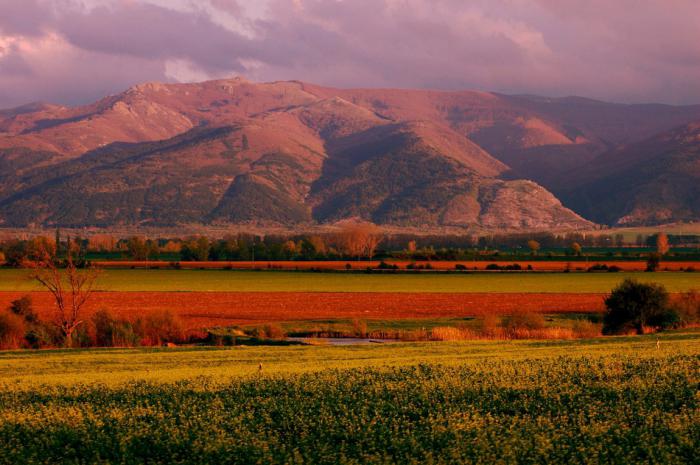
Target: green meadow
[286,281]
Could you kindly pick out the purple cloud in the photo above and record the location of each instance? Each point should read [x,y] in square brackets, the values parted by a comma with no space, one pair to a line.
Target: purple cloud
[70,51]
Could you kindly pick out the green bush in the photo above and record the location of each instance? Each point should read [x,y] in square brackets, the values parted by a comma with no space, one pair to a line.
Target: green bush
[634,306]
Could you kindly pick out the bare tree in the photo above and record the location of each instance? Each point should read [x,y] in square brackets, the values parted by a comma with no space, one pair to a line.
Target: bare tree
[358,239]
[70,287]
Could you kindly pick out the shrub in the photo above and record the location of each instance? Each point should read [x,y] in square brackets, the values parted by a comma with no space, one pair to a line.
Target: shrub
[653,262]
[524,320]
[271,331]
[12,331]
[112,332]
[359,328]
[43,334]
[460,267]
[490,325]
[633,306]
[160,327]
[687,306]
[386,266]
[597,267]
[450,333]
[586,329]
[24,308]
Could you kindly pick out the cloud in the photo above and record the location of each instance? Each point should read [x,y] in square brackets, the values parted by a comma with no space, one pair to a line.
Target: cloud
[626,50]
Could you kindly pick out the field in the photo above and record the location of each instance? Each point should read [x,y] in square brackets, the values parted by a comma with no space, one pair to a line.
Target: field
[613,400]
[212,298]
[285,281]
[545,264]
[206,298]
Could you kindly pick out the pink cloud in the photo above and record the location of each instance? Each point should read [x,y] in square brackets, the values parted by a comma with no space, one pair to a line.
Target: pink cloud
[626,50]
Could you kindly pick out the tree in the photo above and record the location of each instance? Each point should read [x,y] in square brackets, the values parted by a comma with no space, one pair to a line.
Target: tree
[662,244]
[318,245]
[196,249]
[411,247]
[244,142]
[576,248]
[633,306]
[358,239]
[138,248]
[653,262]
[70,287]
[57,240]
[534,246]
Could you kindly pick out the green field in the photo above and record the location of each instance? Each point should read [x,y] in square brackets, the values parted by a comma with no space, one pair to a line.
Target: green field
[277,281]
[612,400]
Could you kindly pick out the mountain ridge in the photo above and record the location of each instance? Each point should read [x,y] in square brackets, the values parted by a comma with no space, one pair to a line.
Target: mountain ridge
[289,153]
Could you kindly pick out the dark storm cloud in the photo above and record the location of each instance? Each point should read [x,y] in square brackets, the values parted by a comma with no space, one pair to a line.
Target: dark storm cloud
[624,50]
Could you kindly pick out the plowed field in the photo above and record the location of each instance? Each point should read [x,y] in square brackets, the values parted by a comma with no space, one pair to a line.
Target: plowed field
[206,309]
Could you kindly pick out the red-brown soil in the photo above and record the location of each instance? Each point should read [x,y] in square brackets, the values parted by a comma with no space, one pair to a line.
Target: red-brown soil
[207,309]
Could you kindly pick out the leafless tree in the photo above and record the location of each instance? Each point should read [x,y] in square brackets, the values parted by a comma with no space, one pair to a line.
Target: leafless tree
[359,239]
[70,287]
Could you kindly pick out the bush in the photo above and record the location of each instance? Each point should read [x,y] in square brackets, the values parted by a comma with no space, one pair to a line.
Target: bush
[635,306]
[523,323]
[112,332]
[44,335]
[159,327]
[24,308]
[12,331]
[460,267]
[386,266]
[585,329]
[687,306]
[269,331]
[653,262]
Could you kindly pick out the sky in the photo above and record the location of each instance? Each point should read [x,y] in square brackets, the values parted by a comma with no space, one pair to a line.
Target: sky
[77,51]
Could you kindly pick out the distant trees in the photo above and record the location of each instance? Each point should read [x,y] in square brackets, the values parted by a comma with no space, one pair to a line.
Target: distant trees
[633,306]
[196,249]
[140,249]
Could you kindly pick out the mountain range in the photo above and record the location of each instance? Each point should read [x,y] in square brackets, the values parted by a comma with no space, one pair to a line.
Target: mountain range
[293,154]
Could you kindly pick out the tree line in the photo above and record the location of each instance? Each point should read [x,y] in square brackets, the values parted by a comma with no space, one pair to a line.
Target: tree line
[351,241]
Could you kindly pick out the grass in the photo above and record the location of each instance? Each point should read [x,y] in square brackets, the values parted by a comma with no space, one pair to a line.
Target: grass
[278,281]
[612,400]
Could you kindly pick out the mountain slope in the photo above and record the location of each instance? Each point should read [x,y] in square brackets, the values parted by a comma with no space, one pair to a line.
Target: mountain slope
[293,154]
[652,182]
